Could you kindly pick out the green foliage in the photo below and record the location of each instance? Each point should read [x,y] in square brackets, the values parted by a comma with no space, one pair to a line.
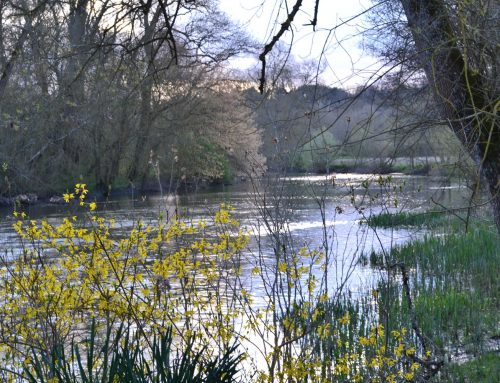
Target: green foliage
[200,158]
[454,257]
[227,173]
[453,317]
[455,288]
[125,357]
[484,369]
[404,218]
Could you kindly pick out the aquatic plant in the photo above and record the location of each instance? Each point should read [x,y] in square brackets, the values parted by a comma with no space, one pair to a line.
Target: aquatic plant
[387,220]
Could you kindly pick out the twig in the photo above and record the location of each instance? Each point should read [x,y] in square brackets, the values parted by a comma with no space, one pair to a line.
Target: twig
[314,21]
[431,366]
[269,47]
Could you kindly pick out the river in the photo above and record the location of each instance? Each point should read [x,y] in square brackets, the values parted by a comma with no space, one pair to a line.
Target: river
[315,211]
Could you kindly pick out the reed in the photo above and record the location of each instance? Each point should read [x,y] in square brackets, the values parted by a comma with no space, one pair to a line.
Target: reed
[388,220]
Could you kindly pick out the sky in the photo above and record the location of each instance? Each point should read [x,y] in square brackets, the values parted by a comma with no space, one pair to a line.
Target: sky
[336,41]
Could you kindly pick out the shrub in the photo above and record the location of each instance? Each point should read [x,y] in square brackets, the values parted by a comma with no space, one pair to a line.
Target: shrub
[156,278]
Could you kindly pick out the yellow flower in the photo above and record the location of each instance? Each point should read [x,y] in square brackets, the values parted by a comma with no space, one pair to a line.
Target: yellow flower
[399,350]
[282,267]
[415,366]
[92,206]
[409,376]
[68,196]
[345,319]
[410,351]
[364,341]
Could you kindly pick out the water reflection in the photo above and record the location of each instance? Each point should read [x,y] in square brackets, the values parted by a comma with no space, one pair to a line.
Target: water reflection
[316,212]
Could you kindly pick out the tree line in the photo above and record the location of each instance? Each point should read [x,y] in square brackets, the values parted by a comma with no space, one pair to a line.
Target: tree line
[114,91]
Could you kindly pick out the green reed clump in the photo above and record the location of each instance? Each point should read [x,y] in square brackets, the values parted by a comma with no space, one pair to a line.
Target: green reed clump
[455,287]
[455,317]
[485,369]
[469,259]
[387,220]
[122,356]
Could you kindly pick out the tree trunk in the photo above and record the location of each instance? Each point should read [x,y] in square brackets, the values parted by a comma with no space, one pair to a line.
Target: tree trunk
[138,167]
[73,86]
[40,62]
[463,96]
[75,69]
[9,64]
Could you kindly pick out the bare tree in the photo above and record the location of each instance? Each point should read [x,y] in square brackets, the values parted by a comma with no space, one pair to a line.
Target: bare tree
[87,87]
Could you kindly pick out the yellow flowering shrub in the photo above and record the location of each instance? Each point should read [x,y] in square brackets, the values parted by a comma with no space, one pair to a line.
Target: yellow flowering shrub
[81,270]
[341,342]
[184,275]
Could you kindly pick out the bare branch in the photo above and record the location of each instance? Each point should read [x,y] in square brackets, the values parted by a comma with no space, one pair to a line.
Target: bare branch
[269,47]
[314,21]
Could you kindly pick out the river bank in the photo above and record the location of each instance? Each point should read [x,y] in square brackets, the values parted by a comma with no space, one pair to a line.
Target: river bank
[49,195]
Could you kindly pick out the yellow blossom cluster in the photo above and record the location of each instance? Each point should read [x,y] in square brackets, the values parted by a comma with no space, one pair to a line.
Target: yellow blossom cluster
[184,275]
[81,270]
[341,349]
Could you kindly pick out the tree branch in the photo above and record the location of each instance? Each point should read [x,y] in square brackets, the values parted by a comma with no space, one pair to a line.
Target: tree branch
[269,47]
[314,21]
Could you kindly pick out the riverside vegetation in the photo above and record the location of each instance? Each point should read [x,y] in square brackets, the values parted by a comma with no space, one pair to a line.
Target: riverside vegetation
[140,96]
[455,286]
[165,303]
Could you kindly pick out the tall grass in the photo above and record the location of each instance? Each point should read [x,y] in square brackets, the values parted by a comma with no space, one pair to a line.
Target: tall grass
[387,220]
[485,369]
[121,356]
[455,286]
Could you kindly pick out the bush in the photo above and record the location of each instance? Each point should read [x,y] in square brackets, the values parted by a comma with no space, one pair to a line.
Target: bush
[154,279]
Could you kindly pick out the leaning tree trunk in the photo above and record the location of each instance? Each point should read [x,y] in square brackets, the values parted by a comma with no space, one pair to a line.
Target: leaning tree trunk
[7,68]
[463,96]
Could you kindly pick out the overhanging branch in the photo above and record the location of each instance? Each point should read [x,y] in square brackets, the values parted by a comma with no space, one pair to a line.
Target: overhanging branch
[269,47]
